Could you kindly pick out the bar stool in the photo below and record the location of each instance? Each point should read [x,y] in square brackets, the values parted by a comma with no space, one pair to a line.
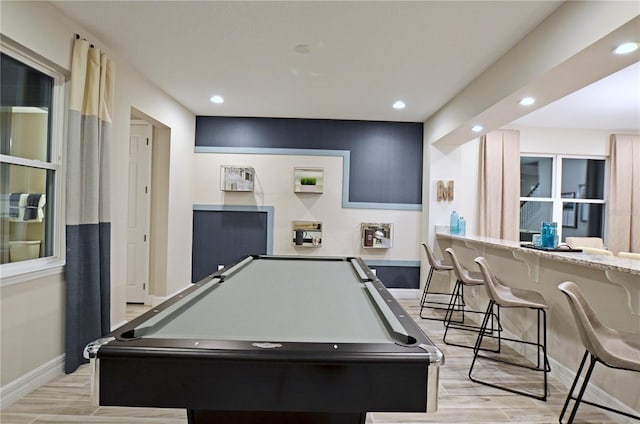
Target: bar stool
[501,296]
[464,278]
[435,265]
[610,347]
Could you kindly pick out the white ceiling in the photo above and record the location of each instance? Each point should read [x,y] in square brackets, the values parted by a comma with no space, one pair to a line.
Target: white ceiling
[611,103]
[362,56]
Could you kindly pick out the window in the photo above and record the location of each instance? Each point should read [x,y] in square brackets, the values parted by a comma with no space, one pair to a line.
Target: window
[564,189]
[31,120]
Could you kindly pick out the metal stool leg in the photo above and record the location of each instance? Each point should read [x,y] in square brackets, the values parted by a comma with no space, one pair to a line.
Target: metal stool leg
[458,293]
[539,348]
[573,387]
[426,303]
[426,289]
[578,400]
[455,301]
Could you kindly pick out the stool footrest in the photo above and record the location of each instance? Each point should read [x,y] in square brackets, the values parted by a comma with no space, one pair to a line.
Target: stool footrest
[541,350]
[425,303]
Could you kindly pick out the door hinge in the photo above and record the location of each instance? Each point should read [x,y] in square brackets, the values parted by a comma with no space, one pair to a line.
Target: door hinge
[147,141]
[146,189]
[145,237]
[144,286]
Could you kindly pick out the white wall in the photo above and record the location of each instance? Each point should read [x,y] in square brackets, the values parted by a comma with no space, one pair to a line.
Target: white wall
[40,27]
[31,323]
[448,162]
[274,187]
[564,141]
[159,212]
[460,163]
[134,91]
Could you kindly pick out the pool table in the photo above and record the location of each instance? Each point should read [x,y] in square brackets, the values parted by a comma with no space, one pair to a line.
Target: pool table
[273,339]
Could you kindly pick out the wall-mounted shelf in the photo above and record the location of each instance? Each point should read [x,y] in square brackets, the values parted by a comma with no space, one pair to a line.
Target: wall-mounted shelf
[308,180]
[376,235]
[307,234]
[236,178]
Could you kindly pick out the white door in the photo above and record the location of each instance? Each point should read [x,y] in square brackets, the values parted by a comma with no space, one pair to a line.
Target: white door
[139,212]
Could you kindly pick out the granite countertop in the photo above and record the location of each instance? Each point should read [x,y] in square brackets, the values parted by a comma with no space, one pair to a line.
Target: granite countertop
[606,263]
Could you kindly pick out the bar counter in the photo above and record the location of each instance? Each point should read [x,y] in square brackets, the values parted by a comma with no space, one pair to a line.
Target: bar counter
[610,284]
[605,263]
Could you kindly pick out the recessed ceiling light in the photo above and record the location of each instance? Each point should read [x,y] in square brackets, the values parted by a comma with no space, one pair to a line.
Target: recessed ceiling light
[626,48]
[527,101]
[477,128]
[399,104]
[217,99]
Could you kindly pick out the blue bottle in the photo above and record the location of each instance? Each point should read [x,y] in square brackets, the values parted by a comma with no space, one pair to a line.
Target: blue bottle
[554,235]
[453,223]
[549,235]
[544,234]
[462,226]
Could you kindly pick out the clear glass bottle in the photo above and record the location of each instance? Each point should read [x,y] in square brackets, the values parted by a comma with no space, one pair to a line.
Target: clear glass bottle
[462,226]
[453,223]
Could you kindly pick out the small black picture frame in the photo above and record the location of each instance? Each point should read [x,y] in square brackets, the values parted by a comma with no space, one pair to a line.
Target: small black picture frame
[569,211]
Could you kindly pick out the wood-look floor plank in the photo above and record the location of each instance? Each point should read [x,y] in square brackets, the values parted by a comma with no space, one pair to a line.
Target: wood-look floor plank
[129,412]
[59,419]
[10,418]
[445,415]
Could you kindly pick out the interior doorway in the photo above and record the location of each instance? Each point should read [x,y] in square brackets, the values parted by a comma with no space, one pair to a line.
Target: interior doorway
[139,211]
[147,209]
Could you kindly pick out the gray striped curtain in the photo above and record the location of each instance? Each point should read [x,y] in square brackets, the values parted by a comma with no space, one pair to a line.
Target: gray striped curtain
[88,227]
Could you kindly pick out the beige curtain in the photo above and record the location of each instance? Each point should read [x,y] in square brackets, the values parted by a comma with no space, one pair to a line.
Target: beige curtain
[623,208]
[500,185]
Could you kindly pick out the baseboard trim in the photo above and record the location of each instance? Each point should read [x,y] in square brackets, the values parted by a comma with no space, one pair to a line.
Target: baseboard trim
[118,325]
[32,380]
[405,293]
[156,300]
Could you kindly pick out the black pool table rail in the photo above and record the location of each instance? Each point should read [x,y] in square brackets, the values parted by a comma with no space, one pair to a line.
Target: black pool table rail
[410,341]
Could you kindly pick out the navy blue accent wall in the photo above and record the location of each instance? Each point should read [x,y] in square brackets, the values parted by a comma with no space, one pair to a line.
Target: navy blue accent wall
[222,237]
[386,157]
[398,277]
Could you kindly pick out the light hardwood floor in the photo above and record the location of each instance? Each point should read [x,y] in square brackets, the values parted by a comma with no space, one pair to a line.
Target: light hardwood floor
[66,399]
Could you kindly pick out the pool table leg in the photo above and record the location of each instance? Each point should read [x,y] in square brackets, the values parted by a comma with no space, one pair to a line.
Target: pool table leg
[199,416]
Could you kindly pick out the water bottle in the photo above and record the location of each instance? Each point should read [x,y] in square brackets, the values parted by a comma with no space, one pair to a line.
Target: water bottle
[554,234]
[453,223]
[549,235]
[545,228]
[462,226]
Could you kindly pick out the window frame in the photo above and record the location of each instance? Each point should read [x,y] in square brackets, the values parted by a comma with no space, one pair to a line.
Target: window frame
[17,272]
[556,199]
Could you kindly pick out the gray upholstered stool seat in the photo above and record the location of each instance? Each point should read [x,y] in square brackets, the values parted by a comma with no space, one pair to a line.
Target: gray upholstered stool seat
[457,305]
[611,347]
[502,296]
[623,350]
[518,298]
[435,265]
